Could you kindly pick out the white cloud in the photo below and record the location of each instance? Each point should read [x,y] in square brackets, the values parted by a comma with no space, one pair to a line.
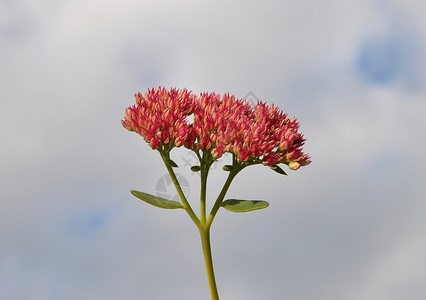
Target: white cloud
[68,222]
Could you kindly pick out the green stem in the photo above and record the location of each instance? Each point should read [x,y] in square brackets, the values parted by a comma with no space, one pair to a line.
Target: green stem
[204,223]
[216,206]
[204,172]
[205,240]
[205,163]
[185,202]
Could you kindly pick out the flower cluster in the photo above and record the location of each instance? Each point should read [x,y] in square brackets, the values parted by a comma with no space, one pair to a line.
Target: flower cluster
[160,117]
[260,133]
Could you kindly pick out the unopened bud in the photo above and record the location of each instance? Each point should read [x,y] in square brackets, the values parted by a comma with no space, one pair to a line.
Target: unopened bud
[294,165]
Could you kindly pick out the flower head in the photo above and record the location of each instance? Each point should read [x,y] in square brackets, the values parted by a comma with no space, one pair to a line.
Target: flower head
[261,133]
[160,117]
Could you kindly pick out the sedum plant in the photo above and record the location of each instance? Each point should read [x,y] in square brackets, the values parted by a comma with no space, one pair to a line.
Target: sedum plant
[253,134]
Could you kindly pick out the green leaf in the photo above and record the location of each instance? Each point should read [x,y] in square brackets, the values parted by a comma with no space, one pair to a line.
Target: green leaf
[156,201]
[236,205]
[195,168]
[278,170]
[172,163]
[227,168]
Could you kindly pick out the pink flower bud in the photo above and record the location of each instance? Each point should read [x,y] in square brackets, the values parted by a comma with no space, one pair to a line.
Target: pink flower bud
[294,165]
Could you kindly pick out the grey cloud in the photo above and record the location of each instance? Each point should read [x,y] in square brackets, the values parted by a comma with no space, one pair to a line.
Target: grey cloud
[347,226]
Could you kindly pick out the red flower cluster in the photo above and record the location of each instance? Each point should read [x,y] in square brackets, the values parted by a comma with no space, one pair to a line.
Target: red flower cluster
[160,117]
[221,124]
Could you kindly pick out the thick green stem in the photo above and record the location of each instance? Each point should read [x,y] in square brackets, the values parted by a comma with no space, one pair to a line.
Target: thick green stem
[204,172]
[205,163]
[205,240]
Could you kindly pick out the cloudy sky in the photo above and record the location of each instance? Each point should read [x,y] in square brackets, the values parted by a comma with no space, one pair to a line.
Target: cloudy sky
[349,226]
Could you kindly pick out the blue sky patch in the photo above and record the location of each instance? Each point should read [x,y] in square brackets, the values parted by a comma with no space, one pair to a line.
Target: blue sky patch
[380,60]
[87,223]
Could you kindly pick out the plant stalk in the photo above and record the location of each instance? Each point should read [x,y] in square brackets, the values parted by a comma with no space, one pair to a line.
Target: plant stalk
[185,202]
[205,240]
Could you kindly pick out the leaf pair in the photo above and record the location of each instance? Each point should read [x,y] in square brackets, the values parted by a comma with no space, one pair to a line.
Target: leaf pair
[234,205]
